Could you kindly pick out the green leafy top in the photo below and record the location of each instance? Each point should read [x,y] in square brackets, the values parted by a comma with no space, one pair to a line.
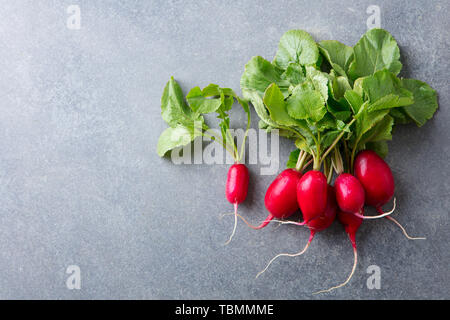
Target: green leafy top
[352,100]
[326,97]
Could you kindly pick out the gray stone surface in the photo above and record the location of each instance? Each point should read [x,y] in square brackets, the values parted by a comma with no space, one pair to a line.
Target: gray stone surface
[81,183]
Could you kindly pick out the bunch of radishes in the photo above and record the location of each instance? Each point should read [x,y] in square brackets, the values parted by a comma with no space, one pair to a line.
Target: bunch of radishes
[372,184]
[338,104]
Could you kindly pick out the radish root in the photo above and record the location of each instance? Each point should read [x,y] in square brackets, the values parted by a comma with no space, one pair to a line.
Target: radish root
[225,214]
[404,231]
[279,224]
[287,255]
[262,225]
[235,224]
[290,222]
[349,277]
[381,215]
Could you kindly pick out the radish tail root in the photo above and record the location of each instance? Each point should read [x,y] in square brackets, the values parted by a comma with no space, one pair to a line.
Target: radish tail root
[235,224]
[404,231]
[262,225]
[349,277]
[290,222]
[225,214]
[279,224]
[380,211]
[287,255]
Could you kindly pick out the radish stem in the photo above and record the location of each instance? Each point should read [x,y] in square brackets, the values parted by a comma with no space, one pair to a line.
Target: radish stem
[330,173]
[336,141]
[306,164]
[301,158]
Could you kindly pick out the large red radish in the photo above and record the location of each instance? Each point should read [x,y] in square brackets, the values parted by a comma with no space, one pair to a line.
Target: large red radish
[316,225]
[281,196]
[350,196]
[312,194]
[236,189]
[349,193]
[376,177]
[378,183]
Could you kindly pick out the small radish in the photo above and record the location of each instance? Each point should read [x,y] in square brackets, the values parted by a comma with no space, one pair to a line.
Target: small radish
[281,197]
[312,194]
[236,189]
[319,224]
[378,183]
[351,224]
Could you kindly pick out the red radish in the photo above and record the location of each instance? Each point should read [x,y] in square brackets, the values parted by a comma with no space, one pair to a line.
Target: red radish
[351,224]
[236,189]
[376,177]
[312,194]
[350,196]
[378,183]
[349,193]
[281,197]
[327,217]
[321,223]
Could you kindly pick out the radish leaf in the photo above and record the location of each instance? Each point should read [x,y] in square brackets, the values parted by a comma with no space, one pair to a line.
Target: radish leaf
[380,147]
[199,103]
[425,101]
[296,46]
[174,109]
[274,101]
[306,104]
[178,136]
[259,74]
[376,50]
[295,74]
[337,54]
[384,90]
[293,158]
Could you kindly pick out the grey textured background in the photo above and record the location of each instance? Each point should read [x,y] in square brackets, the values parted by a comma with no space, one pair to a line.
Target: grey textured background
[81,183]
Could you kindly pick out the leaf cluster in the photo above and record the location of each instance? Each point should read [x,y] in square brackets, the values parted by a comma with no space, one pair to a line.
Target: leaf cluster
[185,116]
[328,94]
